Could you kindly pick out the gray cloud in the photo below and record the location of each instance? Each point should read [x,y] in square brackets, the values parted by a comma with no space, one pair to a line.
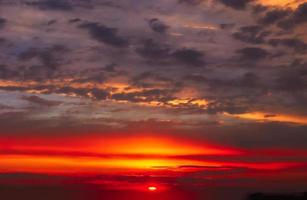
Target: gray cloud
[253,53]
[273,16]
[251,34]
[40,101]
[296,18]
[63,5]
[3,21]
[151,49]
[105,34]
[157,26]
[190,57]
[298,45]
[236,4]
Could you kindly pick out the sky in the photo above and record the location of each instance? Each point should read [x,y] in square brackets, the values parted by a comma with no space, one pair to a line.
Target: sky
[182,95]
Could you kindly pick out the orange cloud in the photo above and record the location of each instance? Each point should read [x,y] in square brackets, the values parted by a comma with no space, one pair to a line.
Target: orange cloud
[262,116]
[282,3]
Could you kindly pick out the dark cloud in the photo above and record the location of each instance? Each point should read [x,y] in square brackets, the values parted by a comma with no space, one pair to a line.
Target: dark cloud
[251,34]
[99,94]
[97,75]
[196,78]
[110,67]
[236,4]
[74,20]
[227,26]
[105,34]
[228,106]
[49,57]
[151,49]
[6,73]
[298,45]
[150,79]
[95,93]
[52,22]
[92,93]
[3,21]
[63,5]
[189,56]
[248,80]
[4,107]
[274,16]
[2,41]
[233,95]
[257,135]
[299,16]
[292,80]
[144,96]
[157,26]
[39,63]
[253,53]
[258,9]
[40,101]
[190,2]
[21,73]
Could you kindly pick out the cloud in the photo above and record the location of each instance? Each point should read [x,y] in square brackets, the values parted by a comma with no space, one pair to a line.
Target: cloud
[150,49]
[3,22]
[157,26]
[40,101]
[236,4]
[196,78]
[252,53]
[292,81]
[105,34]
[190,2]
[298,45]
[297,17]
[95,93]
[49,57]
[37,63]
[6,73]
[189,57]
[150,79]
[273,16]
[51,22]
[62,5]
[259,116]
[251,34]
[144,96]
[74,20]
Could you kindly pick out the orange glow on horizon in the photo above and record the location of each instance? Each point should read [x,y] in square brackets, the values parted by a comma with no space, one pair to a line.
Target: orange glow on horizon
[104,154]
[122,155]
[158,146]
[126,145]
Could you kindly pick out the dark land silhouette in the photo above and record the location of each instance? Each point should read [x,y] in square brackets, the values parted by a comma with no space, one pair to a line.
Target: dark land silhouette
[275,196]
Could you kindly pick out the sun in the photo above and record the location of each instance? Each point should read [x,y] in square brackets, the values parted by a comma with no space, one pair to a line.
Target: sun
[152,188]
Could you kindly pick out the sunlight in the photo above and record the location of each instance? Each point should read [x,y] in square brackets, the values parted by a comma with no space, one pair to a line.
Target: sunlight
[152,188]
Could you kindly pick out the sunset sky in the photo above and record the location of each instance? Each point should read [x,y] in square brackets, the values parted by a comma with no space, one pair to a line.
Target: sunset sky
[174,96]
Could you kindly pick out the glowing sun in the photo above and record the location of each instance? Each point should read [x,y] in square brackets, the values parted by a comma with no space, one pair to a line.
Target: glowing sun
[152,188]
